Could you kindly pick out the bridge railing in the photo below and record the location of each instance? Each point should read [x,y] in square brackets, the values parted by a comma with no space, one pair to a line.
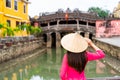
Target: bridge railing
[69,27]
[45,28]
[54,16]
[92,29]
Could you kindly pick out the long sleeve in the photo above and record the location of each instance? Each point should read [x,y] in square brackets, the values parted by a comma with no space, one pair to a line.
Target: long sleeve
[64,67]
[95,56]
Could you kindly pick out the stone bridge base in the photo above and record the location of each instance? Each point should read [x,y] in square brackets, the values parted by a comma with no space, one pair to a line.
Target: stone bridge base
[52,39]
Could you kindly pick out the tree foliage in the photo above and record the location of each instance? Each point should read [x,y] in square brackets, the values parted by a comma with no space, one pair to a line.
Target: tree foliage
[100,12]
[30,29]
[6,30]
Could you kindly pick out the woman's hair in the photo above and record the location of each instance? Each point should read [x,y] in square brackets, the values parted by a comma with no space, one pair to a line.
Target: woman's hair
[77,60]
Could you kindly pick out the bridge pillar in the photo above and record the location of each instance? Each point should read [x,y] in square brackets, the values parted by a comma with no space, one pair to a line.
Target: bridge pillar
[48,25]
[58,38]
[58,23]
[49,40]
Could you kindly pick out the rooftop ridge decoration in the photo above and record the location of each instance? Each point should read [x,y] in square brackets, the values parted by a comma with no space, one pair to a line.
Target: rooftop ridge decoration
[57,12]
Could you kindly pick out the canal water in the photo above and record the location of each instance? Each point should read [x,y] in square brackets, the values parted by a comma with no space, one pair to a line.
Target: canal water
[46,66]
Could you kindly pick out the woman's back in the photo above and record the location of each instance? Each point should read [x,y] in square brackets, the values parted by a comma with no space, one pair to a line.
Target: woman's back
[76,58]
[69,73]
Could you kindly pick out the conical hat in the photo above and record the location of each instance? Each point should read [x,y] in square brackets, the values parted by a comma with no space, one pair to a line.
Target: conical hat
[74,42]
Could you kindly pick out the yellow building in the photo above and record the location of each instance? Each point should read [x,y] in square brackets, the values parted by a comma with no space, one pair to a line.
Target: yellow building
[116,11]
[14,12]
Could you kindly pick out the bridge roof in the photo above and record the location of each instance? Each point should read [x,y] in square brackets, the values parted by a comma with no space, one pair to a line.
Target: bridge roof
[71,16]
[83,16]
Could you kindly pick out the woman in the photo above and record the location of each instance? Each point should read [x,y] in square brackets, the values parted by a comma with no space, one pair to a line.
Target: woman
[76,58]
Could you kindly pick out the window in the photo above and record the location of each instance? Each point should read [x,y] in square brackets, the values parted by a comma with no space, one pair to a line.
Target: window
[17,23]
[24,6]
[22,23]
[8,23]
[15,4]
[8,3]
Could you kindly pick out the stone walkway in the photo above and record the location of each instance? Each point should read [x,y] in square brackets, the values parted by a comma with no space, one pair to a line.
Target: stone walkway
[113,40]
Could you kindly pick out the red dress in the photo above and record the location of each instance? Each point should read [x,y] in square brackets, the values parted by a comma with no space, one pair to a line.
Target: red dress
[69,73]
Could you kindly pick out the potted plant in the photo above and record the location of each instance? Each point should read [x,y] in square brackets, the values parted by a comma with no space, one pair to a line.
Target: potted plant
[37,31]
[16,29]
[31,30]
[22,29]
[8,32]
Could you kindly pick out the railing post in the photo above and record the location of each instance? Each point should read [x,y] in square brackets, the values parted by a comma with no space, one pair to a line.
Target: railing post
[58,24]
[78,28]
[48,25]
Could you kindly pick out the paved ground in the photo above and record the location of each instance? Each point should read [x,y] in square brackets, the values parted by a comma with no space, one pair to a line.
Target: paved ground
[113,40]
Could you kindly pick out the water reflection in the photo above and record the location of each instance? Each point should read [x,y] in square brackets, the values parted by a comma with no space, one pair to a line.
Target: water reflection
[100,67]
[37,77]
[47,65]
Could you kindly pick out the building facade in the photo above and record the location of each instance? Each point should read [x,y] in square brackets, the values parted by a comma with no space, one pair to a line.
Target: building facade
[14,12]
[83,22]
[116,11]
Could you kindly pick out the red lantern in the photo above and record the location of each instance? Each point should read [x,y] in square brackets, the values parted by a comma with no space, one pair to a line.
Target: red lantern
[66,16]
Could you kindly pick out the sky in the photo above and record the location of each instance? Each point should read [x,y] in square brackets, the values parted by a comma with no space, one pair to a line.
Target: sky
[40,6]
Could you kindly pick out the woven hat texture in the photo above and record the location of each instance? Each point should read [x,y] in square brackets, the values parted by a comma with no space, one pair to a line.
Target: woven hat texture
[74,42]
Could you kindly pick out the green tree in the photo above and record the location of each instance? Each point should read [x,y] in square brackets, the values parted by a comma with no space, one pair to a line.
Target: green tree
[8,31]
[1,26]
[100,12]
[30,29]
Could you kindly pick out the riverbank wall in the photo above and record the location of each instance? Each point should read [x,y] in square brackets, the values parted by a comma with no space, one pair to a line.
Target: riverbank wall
[110,49]
[19,49]
[112,54]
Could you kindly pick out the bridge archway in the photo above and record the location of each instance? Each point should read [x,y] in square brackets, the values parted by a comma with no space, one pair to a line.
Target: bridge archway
[91,36]
[62,34]
[53,40]
[82,34]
